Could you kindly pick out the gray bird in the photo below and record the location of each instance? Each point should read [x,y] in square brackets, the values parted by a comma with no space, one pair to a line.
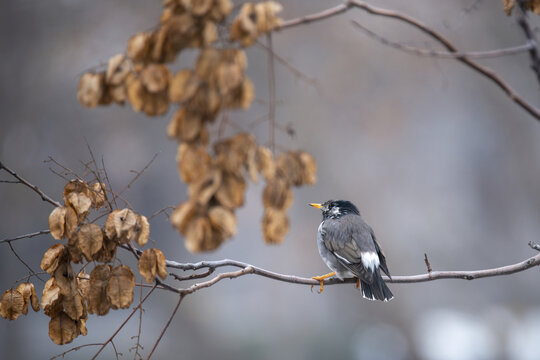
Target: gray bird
[348,247]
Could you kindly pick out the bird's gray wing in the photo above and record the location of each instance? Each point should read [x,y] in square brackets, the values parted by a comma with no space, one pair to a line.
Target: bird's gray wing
[382,258]
[349,238]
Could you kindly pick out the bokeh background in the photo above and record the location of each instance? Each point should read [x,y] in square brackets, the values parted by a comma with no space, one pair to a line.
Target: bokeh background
[436,157]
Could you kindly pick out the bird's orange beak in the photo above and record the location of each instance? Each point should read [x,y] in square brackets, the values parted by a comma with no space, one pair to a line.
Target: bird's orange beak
[315,205]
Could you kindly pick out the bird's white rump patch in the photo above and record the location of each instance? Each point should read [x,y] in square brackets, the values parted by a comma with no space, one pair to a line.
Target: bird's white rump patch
[370,260]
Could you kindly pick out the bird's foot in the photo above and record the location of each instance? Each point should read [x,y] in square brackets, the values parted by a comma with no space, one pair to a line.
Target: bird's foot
[321,280]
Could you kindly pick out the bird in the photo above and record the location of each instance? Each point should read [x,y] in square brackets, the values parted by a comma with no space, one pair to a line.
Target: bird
[348,246]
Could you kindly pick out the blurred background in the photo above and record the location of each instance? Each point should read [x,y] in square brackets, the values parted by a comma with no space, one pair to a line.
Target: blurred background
[436,157]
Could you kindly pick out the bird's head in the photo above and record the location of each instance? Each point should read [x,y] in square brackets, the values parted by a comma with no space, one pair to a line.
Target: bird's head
[336,208]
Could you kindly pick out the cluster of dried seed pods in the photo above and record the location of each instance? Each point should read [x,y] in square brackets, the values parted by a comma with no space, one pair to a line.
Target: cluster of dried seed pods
[216,187]
[68,297]
[531,5]
[254,20]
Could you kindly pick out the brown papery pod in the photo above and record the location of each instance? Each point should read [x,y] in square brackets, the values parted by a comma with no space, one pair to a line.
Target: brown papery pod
[155,77]
[91,89]
[277,194]
[53,257]
[231,192]
[275,224]
[12,304]
[198,233]
[120,287]
[182,215]
[62,329]
[223,220]
[183,86]
[118,68]
[193,162]
[98,302]
[89,240]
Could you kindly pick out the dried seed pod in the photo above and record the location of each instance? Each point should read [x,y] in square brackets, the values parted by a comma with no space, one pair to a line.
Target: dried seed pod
[289,167]
[28,292]
[121,225]
[185,125]
[204,189]
[98,193]
[244,28]
[223,220]
[62,329]
[309,168]
[120,287]
[139,46]
[152,263]
[197,7]
[11,305]
[107,251]
[231,192]
[143,230]
[117,69]
[198,235]
[83,283]
[62,222]
[89,240]
[277,194]
[193,162]
[206,63]
[91,89]
[275,224]
[135,92]
[265,162]
[266,15]
[182,215]
[53,257]
[51,298]
[155,77]
[80,202]
[183,86]
[220,10]
[209,34]
[98,302]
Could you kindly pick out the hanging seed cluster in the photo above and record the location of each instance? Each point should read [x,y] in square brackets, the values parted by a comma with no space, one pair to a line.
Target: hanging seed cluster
[216,188]
[68,297]
[216,176]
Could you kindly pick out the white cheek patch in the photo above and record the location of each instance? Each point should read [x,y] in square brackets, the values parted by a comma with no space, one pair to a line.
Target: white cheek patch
[370,260]
[335,211]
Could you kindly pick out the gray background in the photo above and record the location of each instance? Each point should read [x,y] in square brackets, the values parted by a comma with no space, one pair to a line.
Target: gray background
[437,158]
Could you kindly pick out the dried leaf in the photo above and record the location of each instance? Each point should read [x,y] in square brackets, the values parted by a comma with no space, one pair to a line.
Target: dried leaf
[12,304]
[91,89]
[143,230]
[81,203]
[120,287]
[107,251]
[50,298]
[89,240]
[52,257]
[62,329]
[275,224]
[161,264]
[155,77]
[147,265]
[223,220]
[98,302]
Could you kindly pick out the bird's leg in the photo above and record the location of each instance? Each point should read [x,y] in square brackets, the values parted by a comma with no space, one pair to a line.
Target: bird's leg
[357,283]
[321,279]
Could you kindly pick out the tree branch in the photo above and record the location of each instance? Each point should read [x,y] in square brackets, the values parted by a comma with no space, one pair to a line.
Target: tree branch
[490,74]
[529,34]
[31,235]
[44,197]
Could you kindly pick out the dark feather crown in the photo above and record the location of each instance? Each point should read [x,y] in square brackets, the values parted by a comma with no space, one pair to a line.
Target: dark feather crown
[337,208]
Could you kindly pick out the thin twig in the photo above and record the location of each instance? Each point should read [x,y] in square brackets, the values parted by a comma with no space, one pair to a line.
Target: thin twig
[44,197]
[534,246]
[271,93]
[74,349]
[180,298]
[32,272]
[137,175]
[529,34]
[124,323]
[428,265]
[490,74]
[444,54]
[26,236]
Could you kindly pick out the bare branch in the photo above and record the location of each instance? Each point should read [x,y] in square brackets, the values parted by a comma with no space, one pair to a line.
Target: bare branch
[490,74]
[137,175]
[529,34]
[428,265]
[534,246]
[44,197]
[271,93]
[180,298]
[124,323]
[26,236]
[74,349]
[32,272]
[444,54]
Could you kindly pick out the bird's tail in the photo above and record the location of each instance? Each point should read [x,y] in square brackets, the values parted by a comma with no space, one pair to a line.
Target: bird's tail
[377,290]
